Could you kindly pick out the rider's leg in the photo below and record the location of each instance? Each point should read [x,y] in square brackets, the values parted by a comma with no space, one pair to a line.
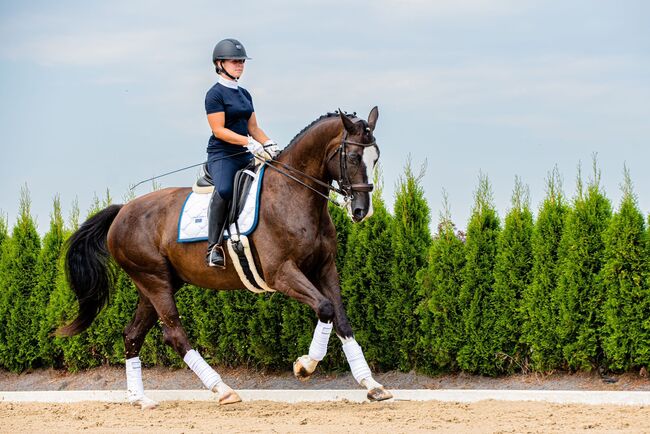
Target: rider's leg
[217,215]
[223,174]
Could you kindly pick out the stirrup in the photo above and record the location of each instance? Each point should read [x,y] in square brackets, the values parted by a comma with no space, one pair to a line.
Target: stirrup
[214,250]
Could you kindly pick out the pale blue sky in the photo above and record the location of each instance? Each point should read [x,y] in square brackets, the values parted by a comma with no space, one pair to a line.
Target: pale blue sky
[104,94]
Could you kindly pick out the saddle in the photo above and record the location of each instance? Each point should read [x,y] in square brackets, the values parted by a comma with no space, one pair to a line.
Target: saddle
[242,184]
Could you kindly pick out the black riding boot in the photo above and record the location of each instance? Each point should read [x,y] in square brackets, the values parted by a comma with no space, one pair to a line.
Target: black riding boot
[217,215]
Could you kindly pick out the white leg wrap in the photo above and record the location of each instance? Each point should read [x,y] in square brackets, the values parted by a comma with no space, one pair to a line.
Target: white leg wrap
[134,387]
[318,347]
[356,360]
[208,376]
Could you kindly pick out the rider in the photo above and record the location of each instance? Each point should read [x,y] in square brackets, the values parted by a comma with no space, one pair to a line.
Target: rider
[231,116]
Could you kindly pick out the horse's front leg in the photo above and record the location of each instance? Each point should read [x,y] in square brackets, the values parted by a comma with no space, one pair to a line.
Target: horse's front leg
[291,281]
[331,288]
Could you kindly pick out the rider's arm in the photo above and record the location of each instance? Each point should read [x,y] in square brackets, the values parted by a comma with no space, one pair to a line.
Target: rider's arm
[217,121]
[255,131]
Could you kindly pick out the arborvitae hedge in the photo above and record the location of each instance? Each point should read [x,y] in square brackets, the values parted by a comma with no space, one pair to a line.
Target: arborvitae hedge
[585,303]
[441,321]
[410,243]
[47,270]
[580,291]
[540,311]
[476,354]
[61,306]
[18,342]
[3,230]
[366,279]
[512,274]
[626,329]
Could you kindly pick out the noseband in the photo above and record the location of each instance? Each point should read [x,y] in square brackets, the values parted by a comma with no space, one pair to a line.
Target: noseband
[346,188]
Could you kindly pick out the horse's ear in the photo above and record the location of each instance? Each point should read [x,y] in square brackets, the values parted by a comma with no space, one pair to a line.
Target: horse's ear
[372,118]
[347,123]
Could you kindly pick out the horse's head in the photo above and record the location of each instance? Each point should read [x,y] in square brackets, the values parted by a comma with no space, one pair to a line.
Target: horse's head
[352,164]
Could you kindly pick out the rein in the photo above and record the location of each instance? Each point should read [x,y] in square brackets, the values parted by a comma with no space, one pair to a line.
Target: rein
[345,189]
[185,168]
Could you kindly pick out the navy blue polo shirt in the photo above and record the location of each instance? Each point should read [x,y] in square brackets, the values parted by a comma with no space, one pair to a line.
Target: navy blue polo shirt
[237,105]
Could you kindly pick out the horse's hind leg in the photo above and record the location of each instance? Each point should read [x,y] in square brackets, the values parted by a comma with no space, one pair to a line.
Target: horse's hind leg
[145,317]
[160,293]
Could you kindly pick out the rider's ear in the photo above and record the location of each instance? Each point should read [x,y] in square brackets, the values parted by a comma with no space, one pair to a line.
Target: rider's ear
[372,118]
[347,123]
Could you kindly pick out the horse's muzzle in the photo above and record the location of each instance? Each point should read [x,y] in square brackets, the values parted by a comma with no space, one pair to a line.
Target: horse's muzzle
[358,214]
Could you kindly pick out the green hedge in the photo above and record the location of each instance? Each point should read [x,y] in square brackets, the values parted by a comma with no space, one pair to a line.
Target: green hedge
[567,290]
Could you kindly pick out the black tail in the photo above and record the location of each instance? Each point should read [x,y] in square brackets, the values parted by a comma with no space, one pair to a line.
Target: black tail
[88,270]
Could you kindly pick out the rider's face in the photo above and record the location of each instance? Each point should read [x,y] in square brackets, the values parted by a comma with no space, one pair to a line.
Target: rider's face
[234,67]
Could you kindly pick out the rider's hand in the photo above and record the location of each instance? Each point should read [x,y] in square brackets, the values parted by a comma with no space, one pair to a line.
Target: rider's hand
[256,148]
[272,148]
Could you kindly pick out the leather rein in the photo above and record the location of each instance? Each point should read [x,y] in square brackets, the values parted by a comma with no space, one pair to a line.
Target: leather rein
[345,189]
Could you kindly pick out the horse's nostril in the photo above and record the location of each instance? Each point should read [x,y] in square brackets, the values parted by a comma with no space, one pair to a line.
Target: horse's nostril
[359,213]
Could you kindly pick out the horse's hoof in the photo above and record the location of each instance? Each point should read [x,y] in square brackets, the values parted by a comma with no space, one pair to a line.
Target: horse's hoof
[229,398]
[300,371]
[379,394]
[145,403]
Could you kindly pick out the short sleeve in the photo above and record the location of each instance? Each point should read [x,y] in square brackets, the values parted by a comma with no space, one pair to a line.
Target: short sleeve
[214,102]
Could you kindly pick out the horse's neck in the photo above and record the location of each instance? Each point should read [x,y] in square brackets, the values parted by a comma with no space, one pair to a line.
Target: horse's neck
[308,154]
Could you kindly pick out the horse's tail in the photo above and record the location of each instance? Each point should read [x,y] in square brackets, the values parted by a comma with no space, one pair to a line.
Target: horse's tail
[88,270]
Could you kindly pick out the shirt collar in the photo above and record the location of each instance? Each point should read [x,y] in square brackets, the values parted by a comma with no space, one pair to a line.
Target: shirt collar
[228,83]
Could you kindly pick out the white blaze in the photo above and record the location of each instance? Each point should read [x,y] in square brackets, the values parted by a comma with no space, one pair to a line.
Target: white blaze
[370,157]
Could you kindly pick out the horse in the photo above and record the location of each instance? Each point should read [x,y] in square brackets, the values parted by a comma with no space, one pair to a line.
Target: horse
[294,246]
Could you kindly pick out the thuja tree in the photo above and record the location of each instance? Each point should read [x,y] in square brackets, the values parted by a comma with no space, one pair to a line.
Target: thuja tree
[410,243]
[580,291]
[233,344]
[79,351]
[626,329]
[265,331]
[366,276]
[61,307]
[540,311]
[512,274]
[209,316]
[3,231]
[441,325]
[476,354]
[343,226]
[47,270]
[18,268]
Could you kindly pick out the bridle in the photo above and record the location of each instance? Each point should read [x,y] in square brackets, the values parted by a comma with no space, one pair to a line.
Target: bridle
[345,188]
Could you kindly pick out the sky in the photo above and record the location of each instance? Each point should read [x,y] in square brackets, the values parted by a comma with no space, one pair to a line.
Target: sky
[100,95]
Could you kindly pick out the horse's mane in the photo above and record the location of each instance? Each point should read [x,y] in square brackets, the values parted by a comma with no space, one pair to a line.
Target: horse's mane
[314,122]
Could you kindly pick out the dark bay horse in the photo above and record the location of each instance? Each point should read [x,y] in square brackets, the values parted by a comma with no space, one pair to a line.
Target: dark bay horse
[295,244]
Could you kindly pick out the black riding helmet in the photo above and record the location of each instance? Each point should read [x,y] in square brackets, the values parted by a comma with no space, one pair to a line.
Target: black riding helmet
[228,49]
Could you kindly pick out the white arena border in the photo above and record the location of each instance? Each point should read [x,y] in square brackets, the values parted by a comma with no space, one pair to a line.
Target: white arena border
[298,395]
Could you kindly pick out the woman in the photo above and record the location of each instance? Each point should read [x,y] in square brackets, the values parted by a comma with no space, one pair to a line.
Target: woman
[234,128]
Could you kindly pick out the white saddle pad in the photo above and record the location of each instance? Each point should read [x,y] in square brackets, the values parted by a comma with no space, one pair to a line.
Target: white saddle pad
[193,221]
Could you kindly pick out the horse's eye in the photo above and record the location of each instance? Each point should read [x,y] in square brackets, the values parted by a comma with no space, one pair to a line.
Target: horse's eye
[354,158]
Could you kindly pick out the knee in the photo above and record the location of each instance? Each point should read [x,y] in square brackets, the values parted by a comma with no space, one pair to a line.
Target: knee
[325,311]
[225,190]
